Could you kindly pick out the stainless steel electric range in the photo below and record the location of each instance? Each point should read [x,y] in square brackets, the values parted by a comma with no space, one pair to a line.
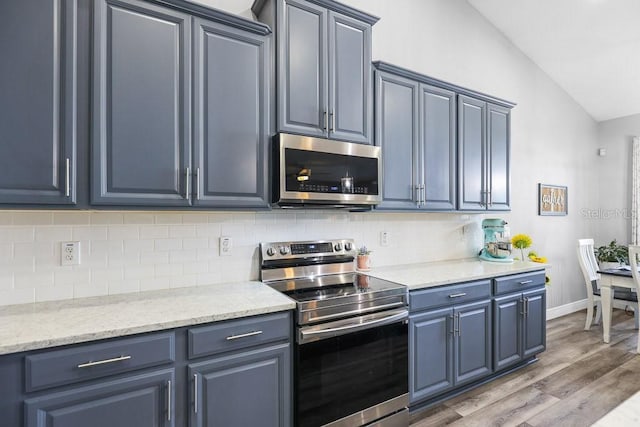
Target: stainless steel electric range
[351,352]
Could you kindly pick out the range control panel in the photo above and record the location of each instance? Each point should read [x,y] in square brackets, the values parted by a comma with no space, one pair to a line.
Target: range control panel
[304,249]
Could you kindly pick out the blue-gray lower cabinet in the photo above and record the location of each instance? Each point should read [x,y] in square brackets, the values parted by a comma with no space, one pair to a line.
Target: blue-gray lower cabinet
[145,400]
[38,87]
[449,346]
[248,388]
[520,322]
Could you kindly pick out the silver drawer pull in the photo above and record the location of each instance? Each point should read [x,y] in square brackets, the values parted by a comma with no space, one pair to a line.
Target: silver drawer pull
[248,334]
[526,282]
[102,362]
[461,294]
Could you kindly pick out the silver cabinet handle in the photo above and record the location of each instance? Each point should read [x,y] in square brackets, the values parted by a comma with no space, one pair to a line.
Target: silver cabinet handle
[67,178]
[522,313]
[197,183]
[195,393]
[461,294]
[525,282]
[169,400]
[186,183]
[248,334]
[424,194]
[325,120]
[457,328]
[418,199]
[526,307]
[102,362]
[333,122]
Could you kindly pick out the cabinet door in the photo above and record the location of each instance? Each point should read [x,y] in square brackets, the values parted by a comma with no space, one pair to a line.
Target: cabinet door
[145,400]
[302,69]
[438,143]
[396,108]
[38,102]
[473,341]
[508,312]
[498,152]
[430,353]
[535,322]
[349,79]
[231,116]
[471,154]
[243,389]
[141,104]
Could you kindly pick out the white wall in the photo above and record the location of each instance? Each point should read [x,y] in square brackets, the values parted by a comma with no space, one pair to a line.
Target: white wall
[613,210]
[553,141]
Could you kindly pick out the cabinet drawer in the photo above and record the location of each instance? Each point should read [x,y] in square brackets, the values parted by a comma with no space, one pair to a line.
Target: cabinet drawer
[518,282]
[235,334]
[449,295]
[89,361]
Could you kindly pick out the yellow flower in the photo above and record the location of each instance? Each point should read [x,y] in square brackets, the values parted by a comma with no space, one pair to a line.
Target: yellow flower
[521,241]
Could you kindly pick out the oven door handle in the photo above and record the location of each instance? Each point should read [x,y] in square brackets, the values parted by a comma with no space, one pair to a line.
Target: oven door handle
[351,325]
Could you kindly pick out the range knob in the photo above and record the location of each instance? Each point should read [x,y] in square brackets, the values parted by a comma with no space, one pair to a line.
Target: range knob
[348,246]
[284,250]
[338,247]
[271,251]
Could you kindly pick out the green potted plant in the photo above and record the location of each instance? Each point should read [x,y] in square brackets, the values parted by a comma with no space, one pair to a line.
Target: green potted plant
[612,255]
[363,261]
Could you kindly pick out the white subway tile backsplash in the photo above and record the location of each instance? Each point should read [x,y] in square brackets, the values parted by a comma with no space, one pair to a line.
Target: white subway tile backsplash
[33,280]
[53,234]
[33,218]
[18,296]
[154,232]
[54,293]
[167,244]
[123,252]
[94,232]
[123,232]
[182,231]
[101,218]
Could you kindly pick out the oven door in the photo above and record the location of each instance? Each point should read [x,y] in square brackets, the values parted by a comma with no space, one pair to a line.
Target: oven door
[354,371]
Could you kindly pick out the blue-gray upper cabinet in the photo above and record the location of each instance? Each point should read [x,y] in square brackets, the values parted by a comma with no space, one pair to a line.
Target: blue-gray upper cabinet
[231,91]
[415,126]
[141,104]
[38,83]
[323,67]
[484,150]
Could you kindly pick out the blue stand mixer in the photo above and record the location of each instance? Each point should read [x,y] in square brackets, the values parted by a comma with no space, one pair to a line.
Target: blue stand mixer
[497,241]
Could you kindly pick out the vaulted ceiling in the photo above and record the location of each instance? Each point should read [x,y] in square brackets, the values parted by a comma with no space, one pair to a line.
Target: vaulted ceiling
[591,48]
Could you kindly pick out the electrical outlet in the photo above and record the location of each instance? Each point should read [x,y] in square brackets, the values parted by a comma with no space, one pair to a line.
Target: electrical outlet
[70,253]
[385,238]
[226,244]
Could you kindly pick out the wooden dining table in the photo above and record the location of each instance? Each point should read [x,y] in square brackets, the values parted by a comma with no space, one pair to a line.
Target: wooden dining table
[608,279]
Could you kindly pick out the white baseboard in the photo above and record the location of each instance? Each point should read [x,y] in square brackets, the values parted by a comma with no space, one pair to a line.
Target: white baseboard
[563,310]
[572,307]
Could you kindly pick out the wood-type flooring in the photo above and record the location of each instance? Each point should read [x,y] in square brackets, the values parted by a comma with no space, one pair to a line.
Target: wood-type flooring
[576,381]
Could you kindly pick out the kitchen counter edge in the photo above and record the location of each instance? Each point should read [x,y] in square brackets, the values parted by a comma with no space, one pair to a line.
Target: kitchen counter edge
[28,327]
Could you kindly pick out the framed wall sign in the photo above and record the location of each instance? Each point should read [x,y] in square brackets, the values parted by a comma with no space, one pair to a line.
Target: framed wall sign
[552,199]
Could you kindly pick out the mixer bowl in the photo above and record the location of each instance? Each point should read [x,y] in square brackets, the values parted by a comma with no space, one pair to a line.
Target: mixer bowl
[499,249]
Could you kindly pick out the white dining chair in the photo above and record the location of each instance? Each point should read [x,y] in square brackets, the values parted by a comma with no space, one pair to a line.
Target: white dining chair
[634,250]
[589,267]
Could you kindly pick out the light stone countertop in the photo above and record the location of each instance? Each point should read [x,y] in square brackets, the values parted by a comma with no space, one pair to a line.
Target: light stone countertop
[40,325]
[430,274]
[625,414]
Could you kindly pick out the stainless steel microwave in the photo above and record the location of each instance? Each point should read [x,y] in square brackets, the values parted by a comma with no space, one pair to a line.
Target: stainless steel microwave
[316,172]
